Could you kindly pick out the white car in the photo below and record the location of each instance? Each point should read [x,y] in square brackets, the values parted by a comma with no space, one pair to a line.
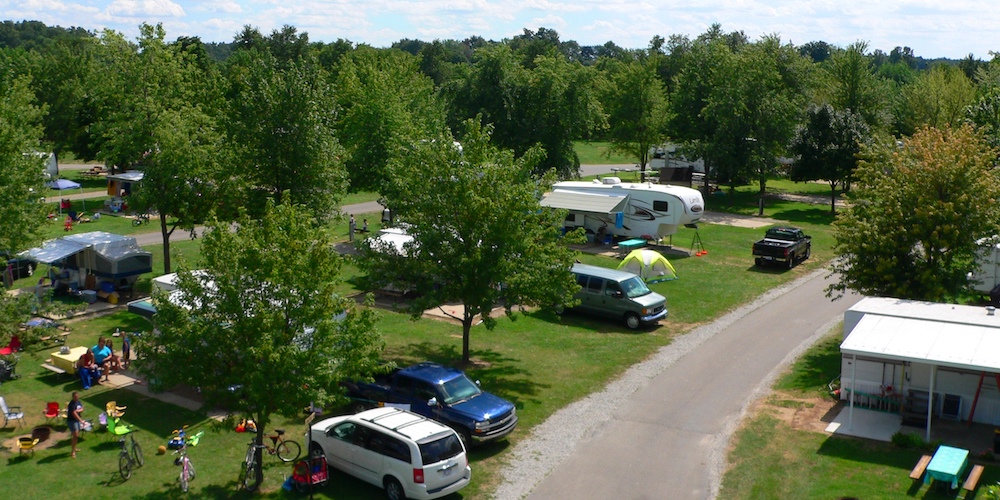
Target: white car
[406,454]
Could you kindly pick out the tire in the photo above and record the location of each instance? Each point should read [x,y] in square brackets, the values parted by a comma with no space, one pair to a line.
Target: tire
[288,451]
[808,253]
[393,490]
[125,467]
[184,480]
[759,262]
[559,309]
[137,455]
[791,262]
[315,450]
[632,321]
[190,471]
[249,477]
[136,222]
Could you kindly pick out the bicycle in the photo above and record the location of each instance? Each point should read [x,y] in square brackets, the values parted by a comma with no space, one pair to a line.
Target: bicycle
[140,219]
[130,457]
[187,469]
[286,450]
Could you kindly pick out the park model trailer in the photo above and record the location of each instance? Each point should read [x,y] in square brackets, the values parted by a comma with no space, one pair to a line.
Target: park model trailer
[633,210]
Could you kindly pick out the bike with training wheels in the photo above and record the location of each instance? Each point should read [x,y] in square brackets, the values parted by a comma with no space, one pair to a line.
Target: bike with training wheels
[286,450]
[130,457]
[139,219]
[183,441]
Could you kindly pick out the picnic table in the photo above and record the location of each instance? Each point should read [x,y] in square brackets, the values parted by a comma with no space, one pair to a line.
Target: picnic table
[67,362]
[947,465]
[624,247]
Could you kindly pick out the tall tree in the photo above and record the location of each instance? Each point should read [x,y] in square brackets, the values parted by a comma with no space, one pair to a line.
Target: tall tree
[915,215]
[827,148]
[851,84]
[479,236]
[280,126]
[550,104]
[20,184]
[262,319]
[636,103]
[386,104]
[937,98]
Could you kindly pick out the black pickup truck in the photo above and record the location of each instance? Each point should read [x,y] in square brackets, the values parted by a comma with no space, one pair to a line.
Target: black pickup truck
[784,245]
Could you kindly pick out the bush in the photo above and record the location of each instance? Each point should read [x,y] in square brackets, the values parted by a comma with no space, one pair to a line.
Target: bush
[908,441]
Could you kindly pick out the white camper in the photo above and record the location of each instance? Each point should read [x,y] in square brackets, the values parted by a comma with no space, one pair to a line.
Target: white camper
[633,210]
[986,275]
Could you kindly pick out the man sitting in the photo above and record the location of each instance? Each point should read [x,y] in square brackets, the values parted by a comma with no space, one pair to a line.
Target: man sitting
[102,357]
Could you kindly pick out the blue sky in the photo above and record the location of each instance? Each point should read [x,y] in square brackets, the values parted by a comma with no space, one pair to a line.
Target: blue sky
[932,28]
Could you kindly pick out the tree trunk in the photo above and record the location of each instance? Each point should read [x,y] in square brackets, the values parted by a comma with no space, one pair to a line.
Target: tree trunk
[259,452]
[833,198]
[466,332]
[166,243]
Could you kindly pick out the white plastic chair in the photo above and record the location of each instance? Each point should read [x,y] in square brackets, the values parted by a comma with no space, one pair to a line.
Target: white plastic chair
[11,413]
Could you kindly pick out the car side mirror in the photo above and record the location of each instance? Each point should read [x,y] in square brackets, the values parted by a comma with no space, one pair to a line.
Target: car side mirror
[477,383]
[432,402]
[618,294]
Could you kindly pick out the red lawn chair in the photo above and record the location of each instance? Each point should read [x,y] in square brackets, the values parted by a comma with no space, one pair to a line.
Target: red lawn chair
[12,347]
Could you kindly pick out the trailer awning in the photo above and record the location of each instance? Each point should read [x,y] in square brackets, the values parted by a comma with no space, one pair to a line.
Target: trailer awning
[585,202]
[957,345]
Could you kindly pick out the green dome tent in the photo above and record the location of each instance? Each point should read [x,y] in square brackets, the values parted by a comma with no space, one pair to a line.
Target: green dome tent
[649,265]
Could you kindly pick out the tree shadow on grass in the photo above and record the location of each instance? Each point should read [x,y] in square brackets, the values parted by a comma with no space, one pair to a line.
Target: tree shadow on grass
[817,216]
[495,372]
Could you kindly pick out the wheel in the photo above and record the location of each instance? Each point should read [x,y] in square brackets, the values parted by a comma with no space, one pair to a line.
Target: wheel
[288,451]
[632,321]
[301,487]
[190,471]
[393,490]
[759,262]
[315,450]
[559,309]
[249,476]
[125,466]
[135,222]
[808,252]
[184,480]
[137,454]
[791,262]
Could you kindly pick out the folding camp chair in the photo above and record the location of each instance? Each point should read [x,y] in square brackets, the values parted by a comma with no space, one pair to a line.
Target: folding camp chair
[52,410]
[11,413]
[12,347]
[116,428]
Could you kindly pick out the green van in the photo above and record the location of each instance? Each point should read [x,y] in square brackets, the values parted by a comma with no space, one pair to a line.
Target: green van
[618,295]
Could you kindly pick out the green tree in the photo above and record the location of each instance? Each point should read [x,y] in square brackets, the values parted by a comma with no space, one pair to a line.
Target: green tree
[636,103]
[851,84]
[827,147]
[550,104]
[257,333]
[20,183]
[911,229]
[280,128]
[480,238]
[386,104]
[937,98]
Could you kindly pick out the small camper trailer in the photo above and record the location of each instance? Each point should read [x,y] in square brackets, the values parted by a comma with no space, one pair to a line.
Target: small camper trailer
[633,210]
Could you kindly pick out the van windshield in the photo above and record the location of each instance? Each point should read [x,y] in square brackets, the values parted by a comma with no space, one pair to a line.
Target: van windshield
[635,287]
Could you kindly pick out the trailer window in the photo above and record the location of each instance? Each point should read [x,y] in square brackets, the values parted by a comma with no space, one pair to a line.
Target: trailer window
[661,206]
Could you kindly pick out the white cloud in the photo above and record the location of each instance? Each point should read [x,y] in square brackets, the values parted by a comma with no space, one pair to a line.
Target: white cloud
[141,8]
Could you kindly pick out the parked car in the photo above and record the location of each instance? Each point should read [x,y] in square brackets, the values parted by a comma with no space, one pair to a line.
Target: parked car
[617,295]
[443,393]
[408,455]
[784,245]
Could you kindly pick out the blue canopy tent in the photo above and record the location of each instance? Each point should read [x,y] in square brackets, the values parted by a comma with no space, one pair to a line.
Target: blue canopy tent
[64,184]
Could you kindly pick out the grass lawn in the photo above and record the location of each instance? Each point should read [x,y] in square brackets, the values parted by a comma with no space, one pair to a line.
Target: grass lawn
[770,459]
[540,361]
[596,153]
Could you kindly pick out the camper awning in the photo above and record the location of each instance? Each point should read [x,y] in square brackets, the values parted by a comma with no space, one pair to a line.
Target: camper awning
[54,251]
[585,202]
[957,345]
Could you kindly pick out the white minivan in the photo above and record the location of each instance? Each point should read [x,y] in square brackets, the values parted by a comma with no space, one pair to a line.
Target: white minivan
[406,454]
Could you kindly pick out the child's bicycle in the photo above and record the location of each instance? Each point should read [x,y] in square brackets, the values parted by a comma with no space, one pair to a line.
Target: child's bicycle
[130,457]
[180,442]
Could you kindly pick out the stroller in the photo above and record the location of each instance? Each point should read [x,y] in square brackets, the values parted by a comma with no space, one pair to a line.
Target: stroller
[7,366]
[310,472]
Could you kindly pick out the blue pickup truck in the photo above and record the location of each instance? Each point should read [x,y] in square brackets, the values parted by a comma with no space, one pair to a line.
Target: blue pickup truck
[444,394]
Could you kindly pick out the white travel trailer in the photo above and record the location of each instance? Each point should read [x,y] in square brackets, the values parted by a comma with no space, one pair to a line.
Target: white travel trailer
[634,210]
[986,275]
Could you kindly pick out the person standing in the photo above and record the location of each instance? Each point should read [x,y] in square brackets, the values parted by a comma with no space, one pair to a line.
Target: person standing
[74,415]
[351,226]
[364,226]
